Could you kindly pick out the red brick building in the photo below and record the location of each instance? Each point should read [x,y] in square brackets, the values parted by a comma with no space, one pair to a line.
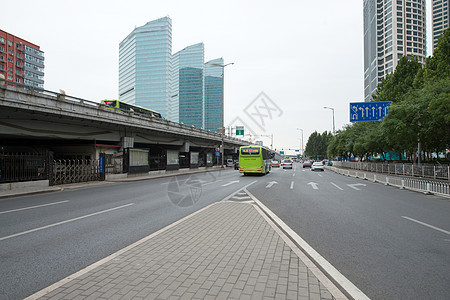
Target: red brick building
[21,61]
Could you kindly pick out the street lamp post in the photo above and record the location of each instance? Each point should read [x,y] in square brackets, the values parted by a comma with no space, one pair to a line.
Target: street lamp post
[223,106]
[302,142]
[334,132]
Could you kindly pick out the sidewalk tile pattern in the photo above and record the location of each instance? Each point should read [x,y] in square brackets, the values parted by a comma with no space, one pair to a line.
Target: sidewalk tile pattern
[227,251]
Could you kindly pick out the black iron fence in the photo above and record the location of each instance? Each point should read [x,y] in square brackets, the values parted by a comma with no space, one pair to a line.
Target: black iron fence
[16,167]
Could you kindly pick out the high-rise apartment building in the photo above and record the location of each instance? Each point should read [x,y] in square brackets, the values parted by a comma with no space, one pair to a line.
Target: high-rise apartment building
[144,66]
[21,61]
[440,17]
[214,94]
[187,70]
[392,29]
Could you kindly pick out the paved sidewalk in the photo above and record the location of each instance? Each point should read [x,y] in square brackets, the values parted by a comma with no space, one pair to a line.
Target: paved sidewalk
[228,250]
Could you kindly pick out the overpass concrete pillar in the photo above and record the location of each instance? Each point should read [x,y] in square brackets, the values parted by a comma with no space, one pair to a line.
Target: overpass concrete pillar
[126,142]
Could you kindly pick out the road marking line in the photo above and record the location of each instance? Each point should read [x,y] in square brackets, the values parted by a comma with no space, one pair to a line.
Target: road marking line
[230,183]
[337,186]
[293,174]
[320,175]
[212,182]
[31,207]
[314,185]
[300,247]
[428,225]
[63,222]
[292,185]
[353,186]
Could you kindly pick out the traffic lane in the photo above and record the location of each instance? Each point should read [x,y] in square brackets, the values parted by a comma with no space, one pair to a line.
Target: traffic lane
[38,211]
[36,260]
[360,233]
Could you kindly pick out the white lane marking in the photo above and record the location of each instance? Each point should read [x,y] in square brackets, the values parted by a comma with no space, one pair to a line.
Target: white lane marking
[63,222]
[293,174]
[314,185]
[346,284]
[337,186]
[320,175]
[230,183]
[428,225]
[212,182]
[269,185]
[354,186]
[31,207]
[292,185]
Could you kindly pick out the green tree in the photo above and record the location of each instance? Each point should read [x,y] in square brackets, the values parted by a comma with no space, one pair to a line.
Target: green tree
[398,83]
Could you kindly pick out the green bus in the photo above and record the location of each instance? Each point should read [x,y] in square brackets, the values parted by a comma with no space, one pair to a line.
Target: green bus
[254,160]
[125,107]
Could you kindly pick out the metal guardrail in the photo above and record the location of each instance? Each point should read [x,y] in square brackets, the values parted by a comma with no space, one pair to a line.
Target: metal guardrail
[427,186]
[424,171]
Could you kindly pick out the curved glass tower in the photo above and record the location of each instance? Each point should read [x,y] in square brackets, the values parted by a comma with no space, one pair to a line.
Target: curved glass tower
[214,94]
[188,85]
[144,66]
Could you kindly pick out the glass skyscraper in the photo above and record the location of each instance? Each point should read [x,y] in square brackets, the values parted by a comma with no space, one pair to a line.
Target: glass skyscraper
[214,94]
[144,66]
[392,29]
[188,85]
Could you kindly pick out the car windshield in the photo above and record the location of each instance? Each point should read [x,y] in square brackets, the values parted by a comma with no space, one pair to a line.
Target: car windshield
[287,161]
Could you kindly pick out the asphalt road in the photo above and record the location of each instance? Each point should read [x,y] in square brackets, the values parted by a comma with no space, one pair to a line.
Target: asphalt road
[368,231]
[41,244]
[365,230]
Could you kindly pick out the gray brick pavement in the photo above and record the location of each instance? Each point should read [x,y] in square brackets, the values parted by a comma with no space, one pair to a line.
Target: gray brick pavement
[227,251]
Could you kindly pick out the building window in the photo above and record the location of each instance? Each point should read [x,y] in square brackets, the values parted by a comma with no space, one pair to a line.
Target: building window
[10,43]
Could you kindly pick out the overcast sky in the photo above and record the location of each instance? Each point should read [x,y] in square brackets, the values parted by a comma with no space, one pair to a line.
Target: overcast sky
[303,54]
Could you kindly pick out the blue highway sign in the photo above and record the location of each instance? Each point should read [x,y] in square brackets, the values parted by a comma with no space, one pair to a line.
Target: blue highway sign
[368,111]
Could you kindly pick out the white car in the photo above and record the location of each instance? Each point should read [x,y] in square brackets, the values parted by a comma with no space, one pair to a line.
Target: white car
[318,165]
[286,163]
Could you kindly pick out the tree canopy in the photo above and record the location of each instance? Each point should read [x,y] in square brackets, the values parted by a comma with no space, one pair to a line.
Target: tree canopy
[420,110]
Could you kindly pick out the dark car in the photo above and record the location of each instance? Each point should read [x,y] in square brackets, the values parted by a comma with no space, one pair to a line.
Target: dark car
[307,164]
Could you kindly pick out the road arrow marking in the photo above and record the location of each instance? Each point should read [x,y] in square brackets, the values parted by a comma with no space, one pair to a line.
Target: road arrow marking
[269,185]
[230,183]
[337,186]
[314,185]
[354,186]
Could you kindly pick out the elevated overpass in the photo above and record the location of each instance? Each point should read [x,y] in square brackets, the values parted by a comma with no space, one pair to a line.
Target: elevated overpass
[36,120]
